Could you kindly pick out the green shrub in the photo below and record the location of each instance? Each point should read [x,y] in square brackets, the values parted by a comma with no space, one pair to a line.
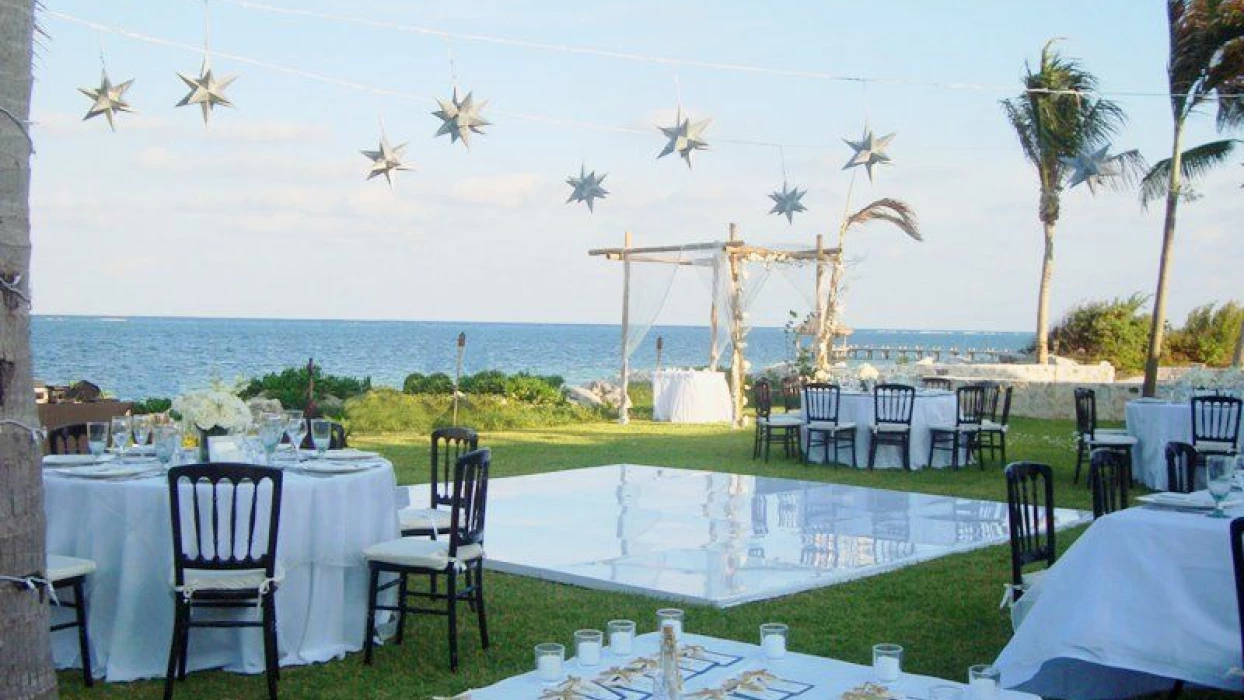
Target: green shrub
[525,387]
[290,386]
[1209,335]
[435,383]
[1116,331]
[388,410]
[151,405]
[490,381]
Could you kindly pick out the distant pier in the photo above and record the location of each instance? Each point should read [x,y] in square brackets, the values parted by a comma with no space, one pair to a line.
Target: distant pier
[914,353]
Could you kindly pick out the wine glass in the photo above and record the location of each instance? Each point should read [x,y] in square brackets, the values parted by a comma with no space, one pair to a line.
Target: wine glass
[142,429]
[271,428]
[296,429]
[120,433]
[167,442]
[321,435]
[97,438]
[1219,475]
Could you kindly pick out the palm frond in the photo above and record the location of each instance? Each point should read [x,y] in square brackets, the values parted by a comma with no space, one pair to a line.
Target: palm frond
[1194,163]
[891,210]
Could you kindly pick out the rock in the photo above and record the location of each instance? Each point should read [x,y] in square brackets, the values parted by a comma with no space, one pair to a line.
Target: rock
[583,397]
[609,394]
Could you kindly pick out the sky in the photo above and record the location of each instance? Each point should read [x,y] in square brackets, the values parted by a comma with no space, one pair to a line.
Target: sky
[266,212]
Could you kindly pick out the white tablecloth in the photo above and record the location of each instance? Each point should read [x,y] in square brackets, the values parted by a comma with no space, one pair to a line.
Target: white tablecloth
[726,660]
[690,396]
[932,407]
[124,526]
[1155,423]
[1144,596]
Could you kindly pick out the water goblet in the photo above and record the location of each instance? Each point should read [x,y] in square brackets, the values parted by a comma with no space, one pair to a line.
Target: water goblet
[321,435]
[120,429]
[97,437]
[1219,475]
[271,428]
[141,426]
[167,442]
[296,429]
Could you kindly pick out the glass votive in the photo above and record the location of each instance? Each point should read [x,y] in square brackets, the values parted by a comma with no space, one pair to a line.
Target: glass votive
[670,617]
[550,658]
[945,692]
[621,637]
[984,682]
[773,639]
[887,662]
[587,647]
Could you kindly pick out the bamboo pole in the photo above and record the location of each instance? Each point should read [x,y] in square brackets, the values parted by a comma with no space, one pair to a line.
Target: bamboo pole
[737,374]
[714,355]
[625,405]
[820,359]
[458,373]
[660,347]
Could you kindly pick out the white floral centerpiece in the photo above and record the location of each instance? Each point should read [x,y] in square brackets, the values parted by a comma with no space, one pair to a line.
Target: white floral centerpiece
[868,375]
[212,412]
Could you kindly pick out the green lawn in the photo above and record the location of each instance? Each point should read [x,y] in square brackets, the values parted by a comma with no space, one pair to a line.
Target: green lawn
[944,612]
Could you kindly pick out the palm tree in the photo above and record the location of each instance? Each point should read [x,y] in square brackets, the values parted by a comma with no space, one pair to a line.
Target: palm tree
[1206,61]
[1057,120]
[25,657]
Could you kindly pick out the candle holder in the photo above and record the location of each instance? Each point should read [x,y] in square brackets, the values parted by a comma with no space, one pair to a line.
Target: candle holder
[773,639]
[984,682]
[670,617]
[550,661]
[621,637]
[587,647]
[887,662]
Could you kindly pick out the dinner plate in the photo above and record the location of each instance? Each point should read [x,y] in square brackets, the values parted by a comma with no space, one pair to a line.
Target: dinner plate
[135,450]
[348,453]
[110,471]
[325,466]
[1197,500]
[74,460]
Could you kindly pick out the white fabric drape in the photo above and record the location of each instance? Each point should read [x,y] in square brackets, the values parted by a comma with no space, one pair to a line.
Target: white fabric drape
[650,287]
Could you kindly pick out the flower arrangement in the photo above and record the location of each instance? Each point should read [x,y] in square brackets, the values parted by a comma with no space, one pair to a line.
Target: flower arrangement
[867,373]
[212,409]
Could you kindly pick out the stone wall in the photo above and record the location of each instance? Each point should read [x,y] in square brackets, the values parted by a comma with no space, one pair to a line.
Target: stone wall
[1068,372]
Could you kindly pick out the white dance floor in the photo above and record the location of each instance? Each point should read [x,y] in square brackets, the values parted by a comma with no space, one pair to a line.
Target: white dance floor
[722,539]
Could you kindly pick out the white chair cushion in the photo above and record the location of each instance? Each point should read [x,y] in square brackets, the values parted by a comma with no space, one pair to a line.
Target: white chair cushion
[61,568]
[425,519]
[955,428]
[993,426]
[891,428]
[826,425]
[1218,446]
[1030,578]
[782,420]
[794,414]
[420,552]
[1115,439]
[240,580]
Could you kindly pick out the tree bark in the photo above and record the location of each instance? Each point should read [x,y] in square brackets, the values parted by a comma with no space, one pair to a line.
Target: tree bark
[1043,296]
[1237,356]
[1157,329]
[25,655]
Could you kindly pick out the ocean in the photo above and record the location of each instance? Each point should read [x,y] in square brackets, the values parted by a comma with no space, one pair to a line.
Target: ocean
[139,357]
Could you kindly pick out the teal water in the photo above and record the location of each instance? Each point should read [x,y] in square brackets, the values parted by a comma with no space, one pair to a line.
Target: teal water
[138,357]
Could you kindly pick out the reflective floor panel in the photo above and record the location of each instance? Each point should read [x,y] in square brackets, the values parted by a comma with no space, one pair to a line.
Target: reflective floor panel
[722,539]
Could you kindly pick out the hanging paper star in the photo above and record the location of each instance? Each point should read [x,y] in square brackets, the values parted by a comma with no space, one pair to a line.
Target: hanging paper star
[587,187]
[1091,168]
[869,151]
[460,118]
[385,160]
[107,99]
[205,90]
[787,201]
[684,137]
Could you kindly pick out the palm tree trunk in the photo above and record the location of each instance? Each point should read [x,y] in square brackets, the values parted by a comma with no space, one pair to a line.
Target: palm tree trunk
[1043,297]
[1237,357]
[1157,329]
[25,655]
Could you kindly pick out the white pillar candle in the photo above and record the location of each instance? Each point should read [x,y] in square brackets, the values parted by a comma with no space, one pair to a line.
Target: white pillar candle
[774,646]
[887,668]
[549,668]
[589,653]
[621,642]
[983,689]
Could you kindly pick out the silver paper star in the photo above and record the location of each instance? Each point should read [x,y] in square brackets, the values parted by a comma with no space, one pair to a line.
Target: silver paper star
[684,137]
[787,201]
[205,90]
[385,160]
[869,151]
[587,187]
[460,118]
[1091,168]
[107,99]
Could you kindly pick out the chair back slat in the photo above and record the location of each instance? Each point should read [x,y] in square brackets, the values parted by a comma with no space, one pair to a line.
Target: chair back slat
[239,531]
[1216,419]
[970,407]
[791,386]
[762,397]
[1006,406]
[936,383]
[992,392]
[821,402]
[1086,412]
[1109,475]
[893,403]
[470,499]
[1180,467]
[1030,513]
[448,445]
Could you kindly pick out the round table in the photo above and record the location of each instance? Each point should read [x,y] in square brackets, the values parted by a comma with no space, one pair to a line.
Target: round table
[1154,423]
[932,407]
[690,396]
[123,525]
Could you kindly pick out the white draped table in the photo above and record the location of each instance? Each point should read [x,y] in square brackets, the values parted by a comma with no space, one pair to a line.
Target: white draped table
[1154,423]
[720,661]
[690,396]
[1143,597]
[124,526]
[932,407]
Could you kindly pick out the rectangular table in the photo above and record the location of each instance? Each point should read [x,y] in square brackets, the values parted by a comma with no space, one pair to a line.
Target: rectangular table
[691,396]
[717,663]
[1146,595]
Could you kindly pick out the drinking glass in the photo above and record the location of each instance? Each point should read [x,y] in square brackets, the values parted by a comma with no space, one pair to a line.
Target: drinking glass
[887,662]
[120,433]
[321,435]
[549,659]
[97,437]
[167,442]
[142,429]
[271,428]
[773,639]
[621,637]
[587,647]
[296,429]
[984,682]
[1219,475]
